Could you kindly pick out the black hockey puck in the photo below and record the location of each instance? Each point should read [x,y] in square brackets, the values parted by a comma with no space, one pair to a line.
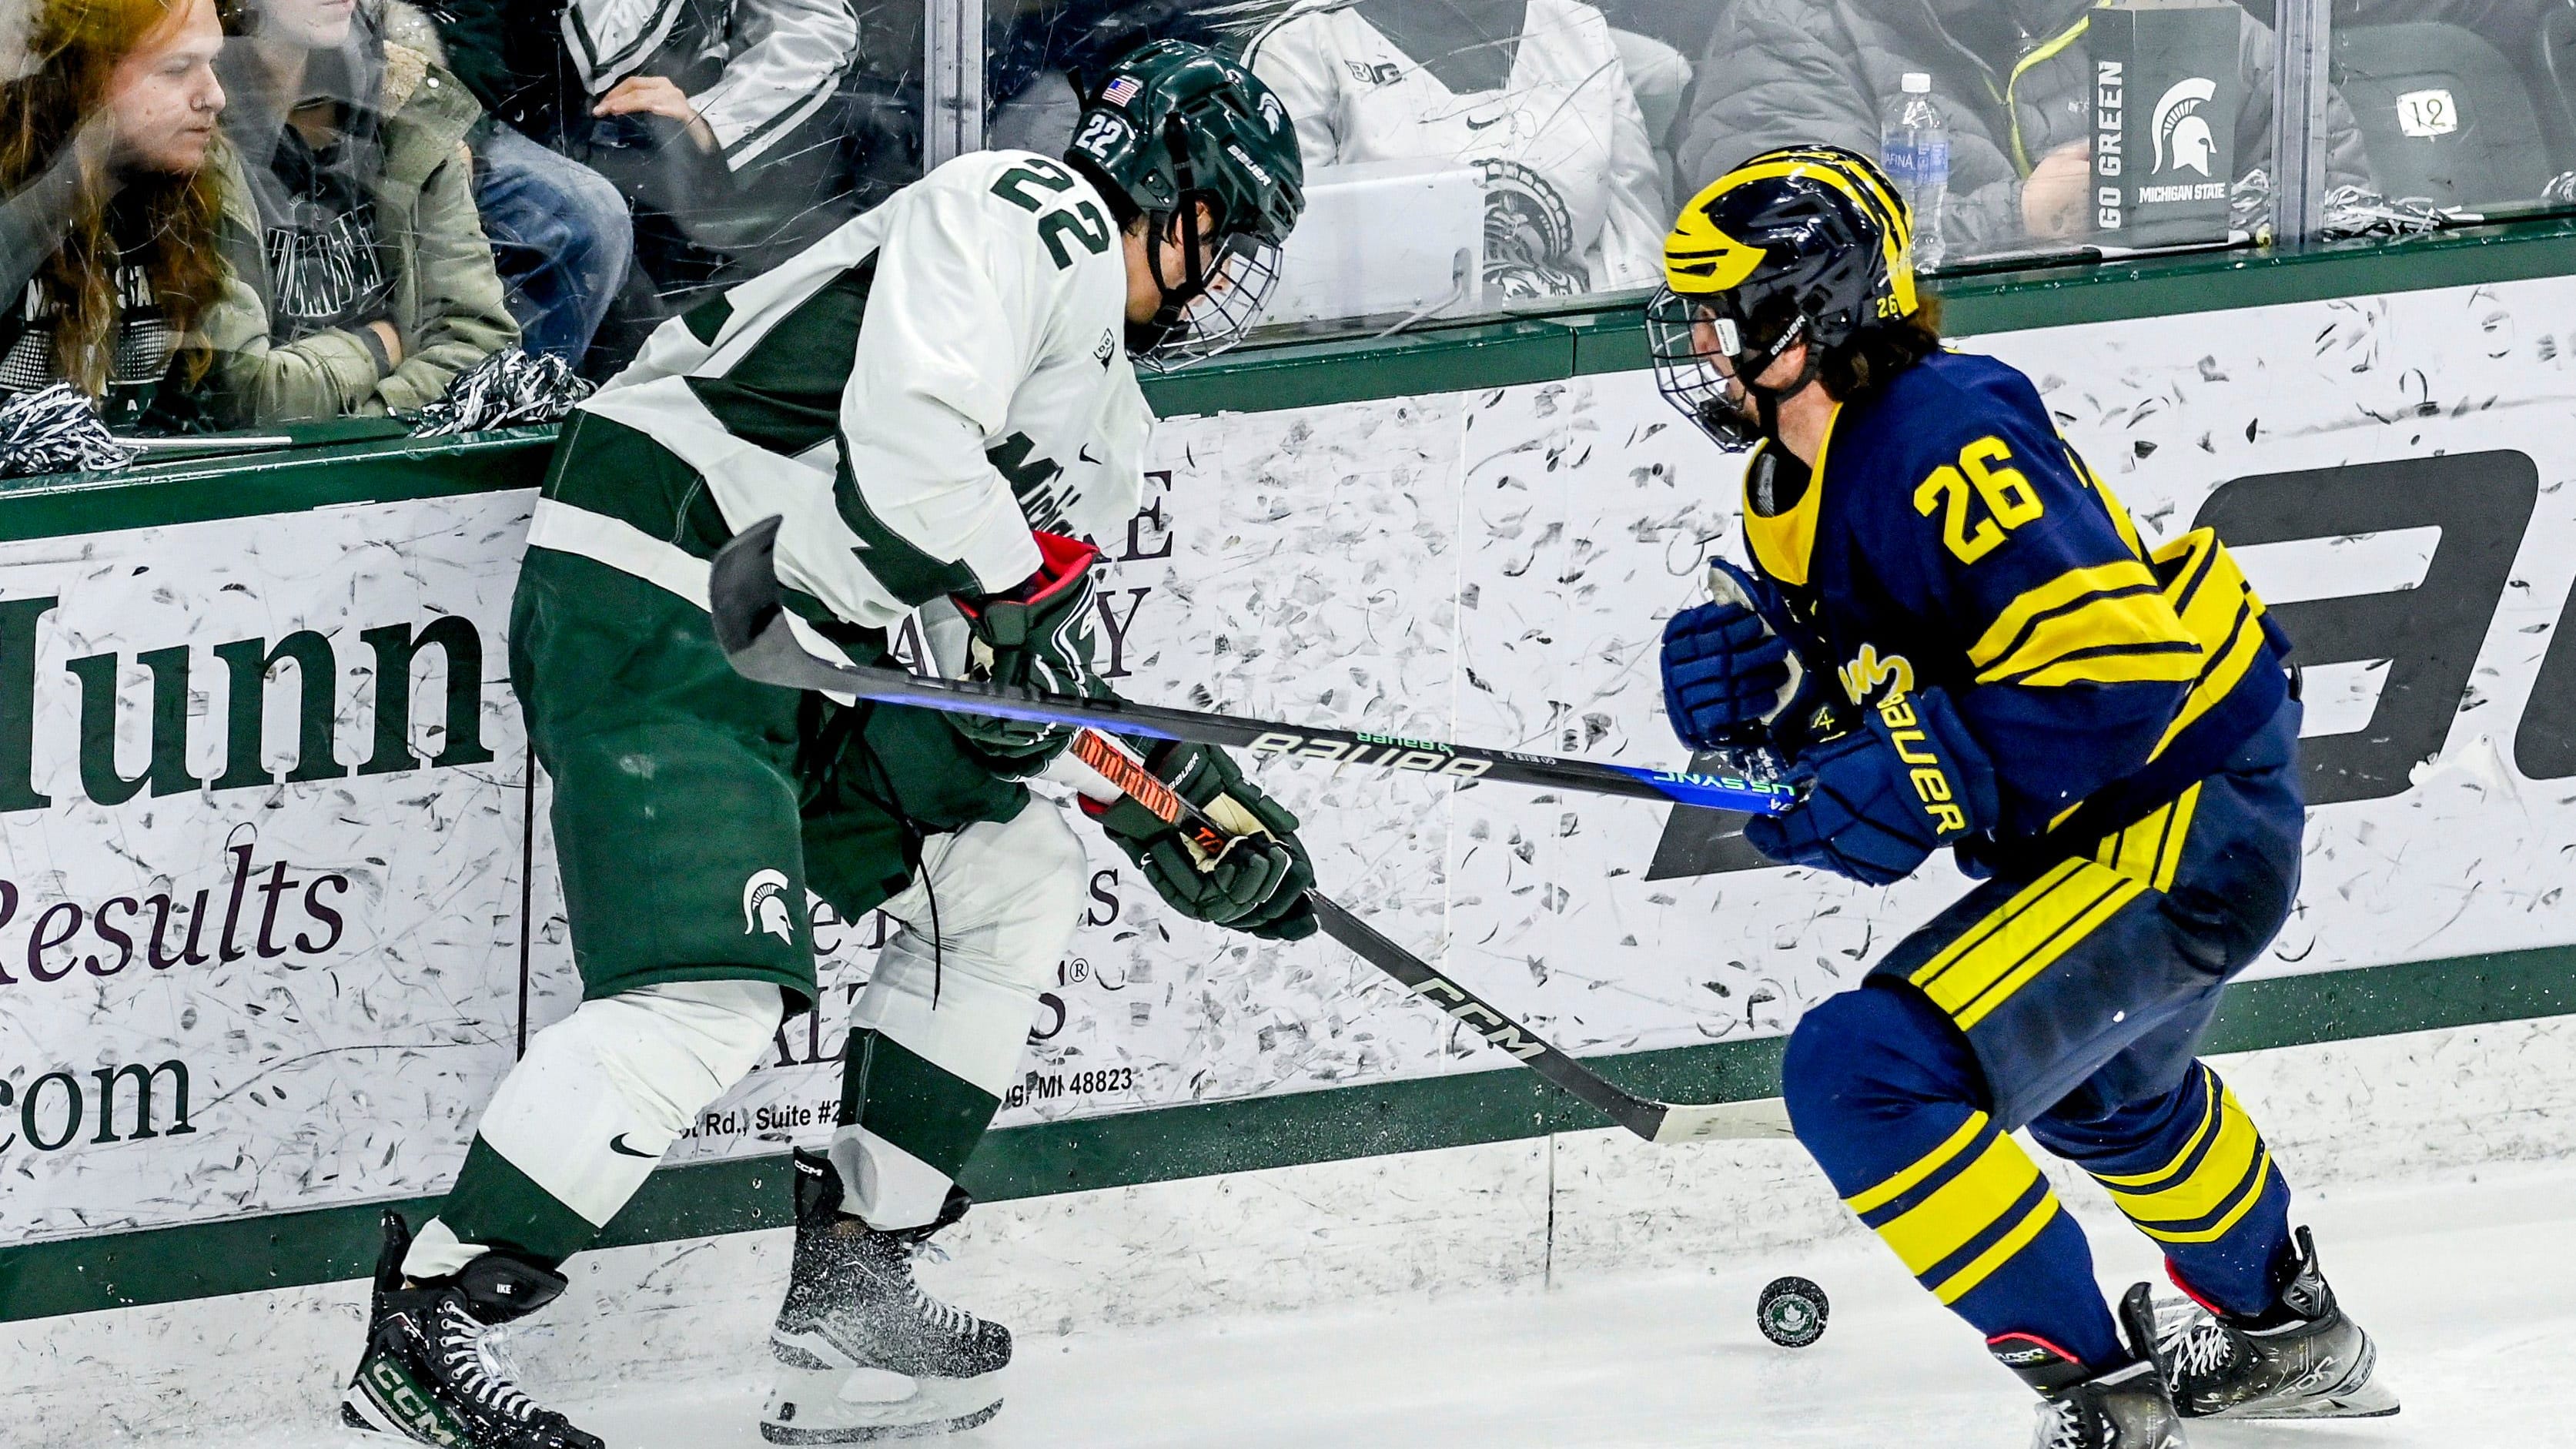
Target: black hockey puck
[1791,1312]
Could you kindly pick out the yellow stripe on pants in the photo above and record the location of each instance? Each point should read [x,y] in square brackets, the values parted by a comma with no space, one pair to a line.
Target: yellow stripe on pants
[2151,849]
[1981,970]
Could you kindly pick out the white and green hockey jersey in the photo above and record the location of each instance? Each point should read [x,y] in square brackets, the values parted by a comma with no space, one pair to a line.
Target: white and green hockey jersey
[774,63]
[913,394]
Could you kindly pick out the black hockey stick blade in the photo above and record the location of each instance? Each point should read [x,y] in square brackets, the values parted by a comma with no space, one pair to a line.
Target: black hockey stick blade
[1659,1122]
[751,625]
[1652,1120]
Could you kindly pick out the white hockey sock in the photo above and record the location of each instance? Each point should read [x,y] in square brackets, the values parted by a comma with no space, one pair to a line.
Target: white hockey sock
[945,1026]
[599,1097]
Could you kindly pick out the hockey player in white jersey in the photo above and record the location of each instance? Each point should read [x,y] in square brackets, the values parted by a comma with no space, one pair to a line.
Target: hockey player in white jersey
[939,398]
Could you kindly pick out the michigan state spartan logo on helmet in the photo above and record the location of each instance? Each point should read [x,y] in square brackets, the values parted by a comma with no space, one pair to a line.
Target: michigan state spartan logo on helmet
[1805,244]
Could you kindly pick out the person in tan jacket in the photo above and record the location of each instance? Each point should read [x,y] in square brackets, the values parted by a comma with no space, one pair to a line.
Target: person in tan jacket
[362,279]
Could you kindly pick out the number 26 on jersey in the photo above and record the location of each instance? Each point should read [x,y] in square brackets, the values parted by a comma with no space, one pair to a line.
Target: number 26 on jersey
[1979,499]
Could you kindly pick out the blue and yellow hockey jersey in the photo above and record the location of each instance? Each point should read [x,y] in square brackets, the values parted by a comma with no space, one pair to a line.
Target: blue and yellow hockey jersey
[1948,537]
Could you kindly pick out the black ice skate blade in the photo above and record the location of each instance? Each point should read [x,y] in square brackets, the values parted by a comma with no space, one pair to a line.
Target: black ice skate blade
[878,1433]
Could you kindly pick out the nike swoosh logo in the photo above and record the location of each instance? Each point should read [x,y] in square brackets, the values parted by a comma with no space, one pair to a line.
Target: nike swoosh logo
[1475,125]
[618,1145]
[1084,454]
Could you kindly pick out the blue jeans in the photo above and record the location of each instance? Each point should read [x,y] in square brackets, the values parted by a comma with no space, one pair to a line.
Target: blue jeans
[561,239]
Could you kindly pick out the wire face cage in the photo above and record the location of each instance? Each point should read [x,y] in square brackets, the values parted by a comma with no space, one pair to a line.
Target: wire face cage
[1239,287]
[1685,336]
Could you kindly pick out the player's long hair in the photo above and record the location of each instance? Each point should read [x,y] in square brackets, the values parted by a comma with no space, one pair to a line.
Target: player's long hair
[72,51]
[1875,355]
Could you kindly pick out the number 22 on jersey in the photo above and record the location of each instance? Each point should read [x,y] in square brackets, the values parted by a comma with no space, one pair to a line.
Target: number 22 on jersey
[1083,222]
[1984,475]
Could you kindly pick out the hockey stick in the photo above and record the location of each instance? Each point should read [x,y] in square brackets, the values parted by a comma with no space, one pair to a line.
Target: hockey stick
[1663,1122]
[751,625]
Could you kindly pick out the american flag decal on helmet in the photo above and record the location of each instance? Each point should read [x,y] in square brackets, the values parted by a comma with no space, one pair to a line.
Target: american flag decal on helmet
[1120,91]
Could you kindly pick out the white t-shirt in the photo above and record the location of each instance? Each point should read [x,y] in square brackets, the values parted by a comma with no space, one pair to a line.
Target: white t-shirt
[1573,199]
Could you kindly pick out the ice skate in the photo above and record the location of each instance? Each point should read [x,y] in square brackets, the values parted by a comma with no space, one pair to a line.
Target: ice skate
[2305,1360]
[430,1373]
[2126,1407]
[863,1353]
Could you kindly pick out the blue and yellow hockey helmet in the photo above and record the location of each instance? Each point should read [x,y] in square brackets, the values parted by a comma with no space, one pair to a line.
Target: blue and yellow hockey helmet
[1804,244]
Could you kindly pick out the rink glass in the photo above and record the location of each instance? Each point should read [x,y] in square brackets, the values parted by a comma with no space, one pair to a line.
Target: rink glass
[1466,158]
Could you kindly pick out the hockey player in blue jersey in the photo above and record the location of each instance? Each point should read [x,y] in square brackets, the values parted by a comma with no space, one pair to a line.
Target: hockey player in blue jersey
[1955,635]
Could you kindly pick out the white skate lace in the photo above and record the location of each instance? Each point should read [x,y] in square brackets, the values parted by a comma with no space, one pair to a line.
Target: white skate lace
[479,1363]
[2196,1347]
[2060,1426]
[947,1318]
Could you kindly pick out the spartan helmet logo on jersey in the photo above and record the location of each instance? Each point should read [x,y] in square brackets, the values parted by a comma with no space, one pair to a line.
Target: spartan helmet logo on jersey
[764,906]
[1805,244]
[1529,235]
[2182,135]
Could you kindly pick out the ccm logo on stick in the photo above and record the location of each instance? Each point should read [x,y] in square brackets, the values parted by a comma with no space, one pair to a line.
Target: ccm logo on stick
[1477,1017]
[1398,754]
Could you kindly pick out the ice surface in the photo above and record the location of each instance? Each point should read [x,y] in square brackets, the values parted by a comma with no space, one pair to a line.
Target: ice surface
[2468,1286]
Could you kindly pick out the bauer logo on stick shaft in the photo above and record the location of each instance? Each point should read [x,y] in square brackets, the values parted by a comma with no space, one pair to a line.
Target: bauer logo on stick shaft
[762,641]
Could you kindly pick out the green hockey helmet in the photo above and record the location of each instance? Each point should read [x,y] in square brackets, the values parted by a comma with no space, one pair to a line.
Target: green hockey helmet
[1173,126]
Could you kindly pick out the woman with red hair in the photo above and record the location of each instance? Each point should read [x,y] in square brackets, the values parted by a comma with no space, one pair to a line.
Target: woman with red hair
[107,235]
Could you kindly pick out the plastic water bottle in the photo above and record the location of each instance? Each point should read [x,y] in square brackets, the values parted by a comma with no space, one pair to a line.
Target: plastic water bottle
[1914,147]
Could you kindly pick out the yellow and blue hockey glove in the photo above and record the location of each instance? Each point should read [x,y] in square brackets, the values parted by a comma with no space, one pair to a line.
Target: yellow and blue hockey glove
[1256,885]
[1038,635]
[1883,797]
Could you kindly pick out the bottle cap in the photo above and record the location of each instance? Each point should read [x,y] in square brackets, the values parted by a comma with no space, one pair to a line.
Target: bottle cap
[1917,83]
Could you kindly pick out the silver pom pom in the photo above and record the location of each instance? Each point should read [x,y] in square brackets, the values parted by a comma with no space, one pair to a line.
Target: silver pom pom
[56,431]
[509,389]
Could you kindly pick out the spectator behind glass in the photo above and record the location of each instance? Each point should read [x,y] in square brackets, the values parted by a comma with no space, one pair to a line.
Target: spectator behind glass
[365,281]
[561,236]
[721,120]
[107,233]
[2013,77]
[1043,44]
[1532,92]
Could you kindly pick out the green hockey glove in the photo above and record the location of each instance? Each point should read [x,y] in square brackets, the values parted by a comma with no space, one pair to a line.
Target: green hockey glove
[1038,635]
[1256,885]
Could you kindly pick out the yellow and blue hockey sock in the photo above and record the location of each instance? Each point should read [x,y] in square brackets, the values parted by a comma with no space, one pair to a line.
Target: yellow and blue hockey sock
[2192,1173]
[1884,1092]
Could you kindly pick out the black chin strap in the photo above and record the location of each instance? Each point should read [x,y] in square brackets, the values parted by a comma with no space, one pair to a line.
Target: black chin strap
[1194,259]
[1767,400]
